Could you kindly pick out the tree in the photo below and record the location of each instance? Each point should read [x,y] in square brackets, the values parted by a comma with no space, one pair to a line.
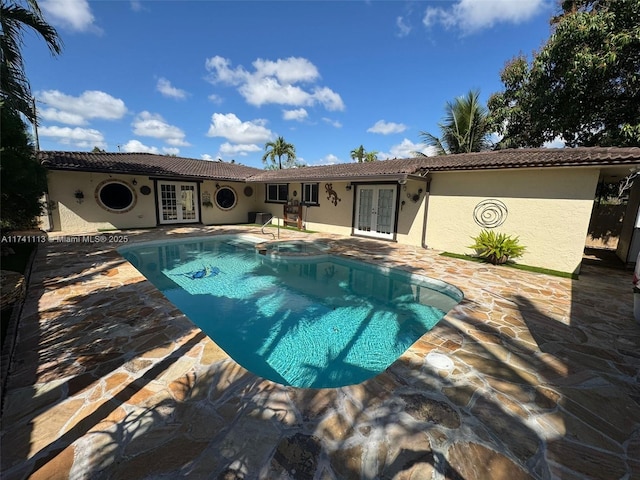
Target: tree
[15,91]
[279,148]
[466,127]
[358,154]
[23,180]
[582,86]
[371,156]
[361,155]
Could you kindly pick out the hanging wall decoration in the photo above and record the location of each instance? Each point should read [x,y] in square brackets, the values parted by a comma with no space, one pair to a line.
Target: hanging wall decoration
[332,196]
[490,213]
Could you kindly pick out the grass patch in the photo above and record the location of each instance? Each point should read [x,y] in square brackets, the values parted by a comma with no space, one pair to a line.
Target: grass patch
[517,266]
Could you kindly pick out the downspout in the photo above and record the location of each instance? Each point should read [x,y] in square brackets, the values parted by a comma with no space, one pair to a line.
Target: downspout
[426,210]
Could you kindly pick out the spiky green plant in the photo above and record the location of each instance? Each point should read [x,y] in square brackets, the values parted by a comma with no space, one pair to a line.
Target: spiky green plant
[496,247]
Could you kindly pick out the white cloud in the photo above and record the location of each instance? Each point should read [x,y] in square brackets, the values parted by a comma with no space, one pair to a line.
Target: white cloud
[136,146]
[79,110]
[229,149]
[58,116]
[153,125]
[229,126]
[333,123]
[403,28]
[386,128]
[171,151]
[275,82]
[165,88]
[298,114]
[71,14]
[78,137]
[474,15]
[290,70]
[217,99]
[329,159]
[136,5]
[206,156]
[406,149]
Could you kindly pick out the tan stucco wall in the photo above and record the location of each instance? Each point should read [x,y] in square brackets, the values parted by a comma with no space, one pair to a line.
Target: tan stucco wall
[549,209]
[71,216]
[214,215]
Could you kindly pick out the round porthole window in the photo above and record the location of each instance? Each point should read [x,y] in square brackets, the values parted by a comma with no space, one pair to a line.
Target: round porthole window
[226,198]
[115,196]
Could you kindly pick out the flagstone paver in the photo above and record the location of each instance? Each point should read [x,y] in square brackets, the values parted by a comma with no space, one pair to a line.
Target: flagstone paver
[111,381]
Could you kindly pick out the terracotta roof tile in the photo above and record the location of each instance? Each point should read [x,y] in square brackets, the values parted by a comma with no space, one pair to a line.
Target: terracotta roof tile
[145,164]
[165,166]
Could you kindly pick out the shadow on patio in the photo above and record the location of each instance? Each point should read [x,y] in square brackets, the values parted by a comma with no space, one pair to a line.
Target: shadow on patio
[544,385]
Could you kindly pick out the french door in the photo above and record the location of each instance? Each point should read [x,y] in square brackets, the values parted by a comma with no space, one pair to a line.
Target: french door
[177,202]
[375,210]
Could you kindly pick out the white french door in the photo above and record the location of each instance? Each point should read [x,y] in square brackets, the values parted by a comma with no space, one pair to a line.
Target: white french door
[375,211]
[177,202]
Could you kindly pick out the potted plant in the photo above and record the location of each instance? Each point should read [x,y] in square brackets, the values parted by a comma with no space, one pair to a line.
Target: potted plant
[497,248]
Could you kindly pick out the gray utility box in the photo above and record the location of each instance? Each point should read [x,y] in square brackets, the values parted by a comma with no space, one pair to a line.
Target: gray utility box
[259,217]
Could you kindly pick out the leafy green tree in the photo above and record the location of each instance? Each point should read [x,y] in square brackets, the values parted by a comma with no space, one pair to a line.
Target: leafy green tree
[279,148]
[15,91]
[23,180]
[583,85]
[361,155]
[371,156]
[358,154]
[466,127]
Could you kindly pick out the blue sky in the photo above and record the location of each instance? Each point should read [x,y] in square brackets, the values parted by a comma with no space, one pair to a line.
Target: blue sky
[218,79]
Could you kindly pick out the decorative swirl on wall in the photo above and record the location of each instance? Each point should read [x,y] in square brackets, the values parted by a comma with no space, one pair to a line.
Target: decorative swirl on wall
[490,213]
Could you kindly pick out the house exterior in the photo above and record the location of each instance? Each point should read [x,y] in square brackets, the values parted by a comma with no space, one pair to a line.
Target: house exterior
[544,196]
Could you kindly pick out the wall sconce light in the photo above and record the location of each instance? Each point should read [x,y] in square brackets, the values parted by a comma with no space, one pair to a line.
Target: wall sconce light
[415,196]
[217,186]
[348,187]
[79,196]
[134,182]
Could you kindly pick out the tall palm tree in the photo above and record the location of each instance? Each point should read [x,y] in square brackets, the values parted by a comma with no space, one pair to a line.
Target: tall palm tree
[15,91]
[279,148]
[358,154]
[466,127]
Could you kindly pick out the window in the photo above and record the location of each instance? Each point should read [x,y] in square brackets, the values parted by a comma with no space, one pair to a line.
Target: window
[226,198]
[115,196]
[310,194]
[277,192]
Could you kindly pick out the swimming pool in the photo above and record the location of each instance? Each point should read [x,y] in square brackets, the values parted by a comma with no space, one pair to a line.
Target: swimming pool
[306,321]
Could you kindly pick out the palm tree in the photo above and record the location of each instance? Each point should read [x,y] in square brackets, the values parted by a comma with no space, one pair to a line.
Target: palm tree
[466,127]
[358,154]
[279,148]
[15,91]
[371,156]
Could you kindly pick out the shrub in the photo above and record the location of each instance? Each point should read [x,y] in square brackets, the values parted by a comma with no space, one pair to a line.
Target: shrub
[497,248]
[22,179]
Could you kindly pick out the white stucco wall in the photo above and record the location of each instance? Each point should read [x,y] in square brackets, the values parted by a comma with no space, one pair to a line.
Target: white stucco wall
[549,209]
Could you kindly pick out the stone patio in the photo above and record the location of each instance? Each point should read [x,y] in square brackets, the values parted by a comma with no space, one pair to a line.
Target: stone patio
[111,381]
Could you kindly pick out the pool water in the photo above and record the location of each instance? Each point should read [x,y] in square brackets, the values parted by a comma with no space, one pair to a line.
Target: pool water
[305,321]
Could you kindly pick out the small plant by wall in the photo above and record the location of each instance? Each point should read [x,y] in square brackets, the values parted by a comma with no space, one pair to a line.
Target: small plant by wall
[497,248]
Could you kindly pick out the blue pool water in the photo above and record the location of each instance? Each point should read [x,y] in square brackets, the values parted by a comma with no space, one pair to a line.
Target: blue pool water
[307,321]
